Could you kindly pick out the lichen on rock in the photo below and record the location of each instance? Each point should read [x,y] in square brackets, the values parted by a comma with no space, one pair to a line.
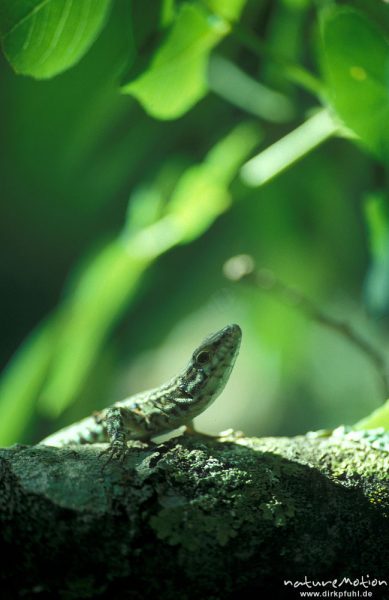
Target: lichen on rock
[192,517]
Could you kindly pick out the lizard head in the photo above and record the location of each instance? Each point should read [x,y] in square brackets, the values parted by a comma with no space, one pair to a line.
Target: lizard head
[212,362]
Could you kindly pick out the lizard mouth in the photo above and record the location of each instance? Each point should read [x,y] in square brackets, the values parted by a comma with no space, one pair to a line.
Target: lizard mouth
[230,333]
[233,330]
[229,336]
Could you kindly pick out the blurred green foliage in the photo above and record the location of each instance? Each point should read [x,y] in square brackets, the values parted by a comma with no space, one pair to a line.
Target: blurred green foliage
[45,38]
[167,137]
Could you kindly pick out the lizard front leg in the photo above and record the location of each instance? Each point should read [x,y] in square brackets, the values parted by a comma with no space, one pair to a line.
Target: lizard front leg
[121,424]
[117,433]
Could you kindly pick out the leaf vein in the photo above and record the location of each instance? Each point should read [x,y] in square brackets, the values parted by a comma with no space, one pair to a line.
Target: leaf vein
[32,13]
[79,32]
[67,8]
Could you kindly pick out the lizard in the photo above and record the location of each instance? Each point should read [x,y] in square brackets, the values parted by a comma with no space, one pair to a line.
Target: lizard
[151,413]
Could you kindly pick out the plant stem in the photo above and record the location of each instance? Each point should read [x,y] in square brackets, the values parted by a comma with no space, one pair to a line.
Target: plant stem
[292,71]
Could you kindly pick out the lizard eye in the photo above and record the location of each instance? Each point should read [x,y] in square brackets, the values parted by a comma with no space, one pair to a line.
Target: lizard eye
[202,357]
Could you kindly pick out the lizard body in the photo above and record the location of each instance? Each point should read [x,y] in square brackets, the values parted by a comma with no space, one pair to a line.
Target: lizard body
[160,410]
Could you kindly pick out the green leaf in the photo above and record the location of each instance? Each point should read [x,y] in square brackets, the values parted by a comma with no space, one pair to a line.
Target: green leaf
[176,78]
[202,194]
[228,9]
[376,288]
[42,38]
[356,59]
[198,200]
[378,418]
[85,319]
[22,382]
[144,209]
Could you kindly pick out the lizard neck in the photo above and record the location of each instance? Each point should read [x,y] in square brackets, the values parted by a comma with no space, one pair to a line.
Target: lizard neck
[188,395]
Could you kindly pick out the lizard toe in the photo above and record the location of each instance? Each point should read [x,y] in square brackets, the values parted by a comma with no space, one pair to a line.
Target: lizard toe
[115,452]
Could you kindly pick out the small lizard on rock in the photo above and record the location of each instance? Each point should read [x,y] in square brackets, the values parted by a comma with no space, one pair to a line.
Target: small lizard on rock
[160,410]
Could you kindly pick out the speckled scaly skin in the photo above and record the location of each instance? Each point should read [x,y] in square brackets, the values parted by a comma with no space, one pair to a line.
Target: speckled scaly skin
[160,410]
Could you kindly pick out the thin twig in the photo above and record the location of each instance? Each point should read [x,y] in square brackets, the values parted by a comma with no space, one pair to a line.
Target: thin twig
[242,268]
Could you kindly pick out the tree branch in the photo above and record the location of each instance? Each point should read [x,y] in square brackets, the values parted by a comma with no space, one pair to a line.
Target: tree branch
[192,518]
[242,268]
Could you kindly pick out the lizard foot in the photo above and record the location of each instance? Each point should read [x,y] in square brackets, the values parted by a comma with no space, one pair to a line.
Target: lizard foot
[115,452]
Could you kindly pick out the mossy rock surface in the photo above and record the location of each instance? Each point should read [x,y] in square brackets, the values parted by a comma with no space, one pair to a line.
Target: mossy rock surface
[192,518]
